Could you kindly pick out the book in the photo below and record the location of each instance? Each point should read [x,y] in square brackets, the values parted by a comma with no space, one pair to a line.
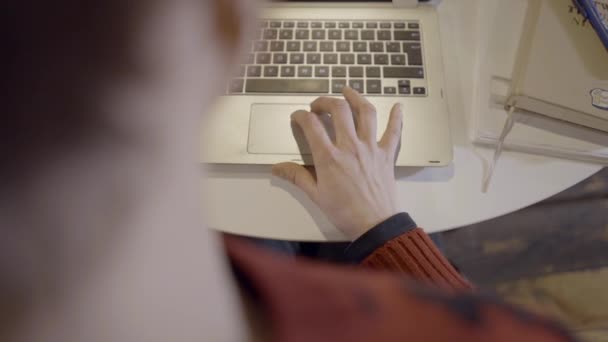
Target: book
[562,66]
[501,29]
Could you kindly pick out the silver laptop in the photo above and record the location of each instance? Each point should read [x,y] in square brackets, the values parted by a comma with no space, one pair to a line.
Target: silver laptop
[387,50]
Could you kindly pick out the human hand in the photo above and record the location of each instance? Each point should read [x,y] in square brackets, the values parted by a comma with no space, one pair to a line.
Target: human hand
[354,180]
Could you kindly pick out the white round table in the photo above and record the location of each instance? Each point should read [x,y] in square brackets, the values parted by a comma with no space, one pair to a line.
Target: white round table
[247,200]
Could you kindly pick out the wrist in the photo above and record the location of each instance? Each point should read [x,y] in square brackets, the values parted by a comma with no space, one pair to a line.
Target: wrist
[370,222]
[377,236]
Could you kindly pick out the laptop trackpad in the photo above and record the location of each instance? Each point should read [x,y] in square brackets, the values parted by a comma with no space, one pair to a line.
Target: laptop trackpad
[271,130]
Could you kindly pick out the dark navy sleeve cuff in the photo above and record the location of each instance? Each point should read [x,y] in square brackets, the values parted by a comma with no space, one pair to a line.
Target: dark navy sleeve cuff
[376,237]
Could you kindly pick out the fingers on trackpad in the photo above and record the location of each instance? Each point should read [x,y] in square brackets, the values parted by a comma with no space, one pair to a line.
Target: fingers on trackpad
[271,130]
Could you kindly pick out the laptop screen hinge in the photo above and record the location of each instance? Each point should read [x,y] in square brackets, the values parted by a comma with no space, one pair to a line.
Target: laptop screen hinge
[405,3]
[415,3]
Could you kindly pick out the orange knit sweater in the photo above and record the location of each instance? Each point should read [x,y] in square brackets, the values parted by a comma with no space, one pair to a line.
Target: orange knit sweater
[414,254]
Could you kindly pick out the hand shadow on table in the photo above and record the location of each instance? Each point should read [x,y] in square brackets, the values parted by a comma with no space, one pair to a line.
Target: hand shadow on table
[430,174]
[413,174]
[264,172]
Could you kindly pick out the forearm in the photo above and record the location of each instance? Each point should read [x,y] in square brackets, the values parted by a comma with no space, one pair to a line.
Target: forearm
[397,244]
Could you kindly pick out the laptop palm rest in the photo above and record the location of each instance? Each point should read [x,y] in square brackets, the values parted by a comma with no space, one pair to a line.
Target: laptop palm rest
[271,130]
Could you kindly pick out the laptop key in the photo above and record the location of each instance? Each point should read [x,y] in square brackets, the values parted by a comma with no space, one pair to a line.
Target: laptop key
[372,72]
[335,34]
[322,71]
[326,46]
[310,46]
[269,85]
[414,60]
[405,90]
[381,59]
[288,71]
[260,46]
[302,24]
[360,46]
[412,48]
[355,71]
[330,58]
[277,46]
[385,25]
[419,91]
[347,58]
[286,34]
[302,34]
[364,59]
[296,58]
[351,34]
[337,85]
[371,25]
[293,46]
[393,47]
[357,85]
[330,25]
[373,86]
[368,35]
[390,90]
[304,71]
[403,72]
[403,83]
[236,85]
[399,25]
[316,24]
[384,35]
[413,26]
[270,34]
[358,25]
[254,71]
[289,24]
[318,34]
[343,25]
[271,71]
[280,58]
[376,47]
[263,58]
[275,24]
[414,53]
[313,58]
[407,35]
[338,71]
[398,59]
[343,46]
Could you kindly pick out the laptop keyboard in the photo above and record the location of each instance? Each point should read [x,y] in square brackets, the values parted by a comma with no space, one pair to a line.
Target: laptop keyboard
[321,57]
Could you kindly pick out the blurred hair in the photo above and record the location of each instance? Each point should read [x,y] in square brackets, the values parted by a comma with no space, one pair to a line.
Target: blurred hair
[57,55]
[58,59]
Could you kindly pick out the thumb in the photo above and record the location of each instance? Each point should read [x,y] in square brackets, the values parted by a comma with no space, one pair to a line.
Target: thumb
[297,175]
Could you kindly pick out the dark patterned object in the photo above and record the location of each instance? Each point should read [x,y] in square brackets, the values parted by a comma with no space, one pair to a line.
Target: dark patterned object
[567,232]
[303,301]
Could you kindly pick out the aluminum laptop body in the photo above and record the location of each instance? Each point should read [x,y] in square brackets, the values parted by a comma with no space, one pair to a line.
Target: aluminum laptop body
[389,51]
